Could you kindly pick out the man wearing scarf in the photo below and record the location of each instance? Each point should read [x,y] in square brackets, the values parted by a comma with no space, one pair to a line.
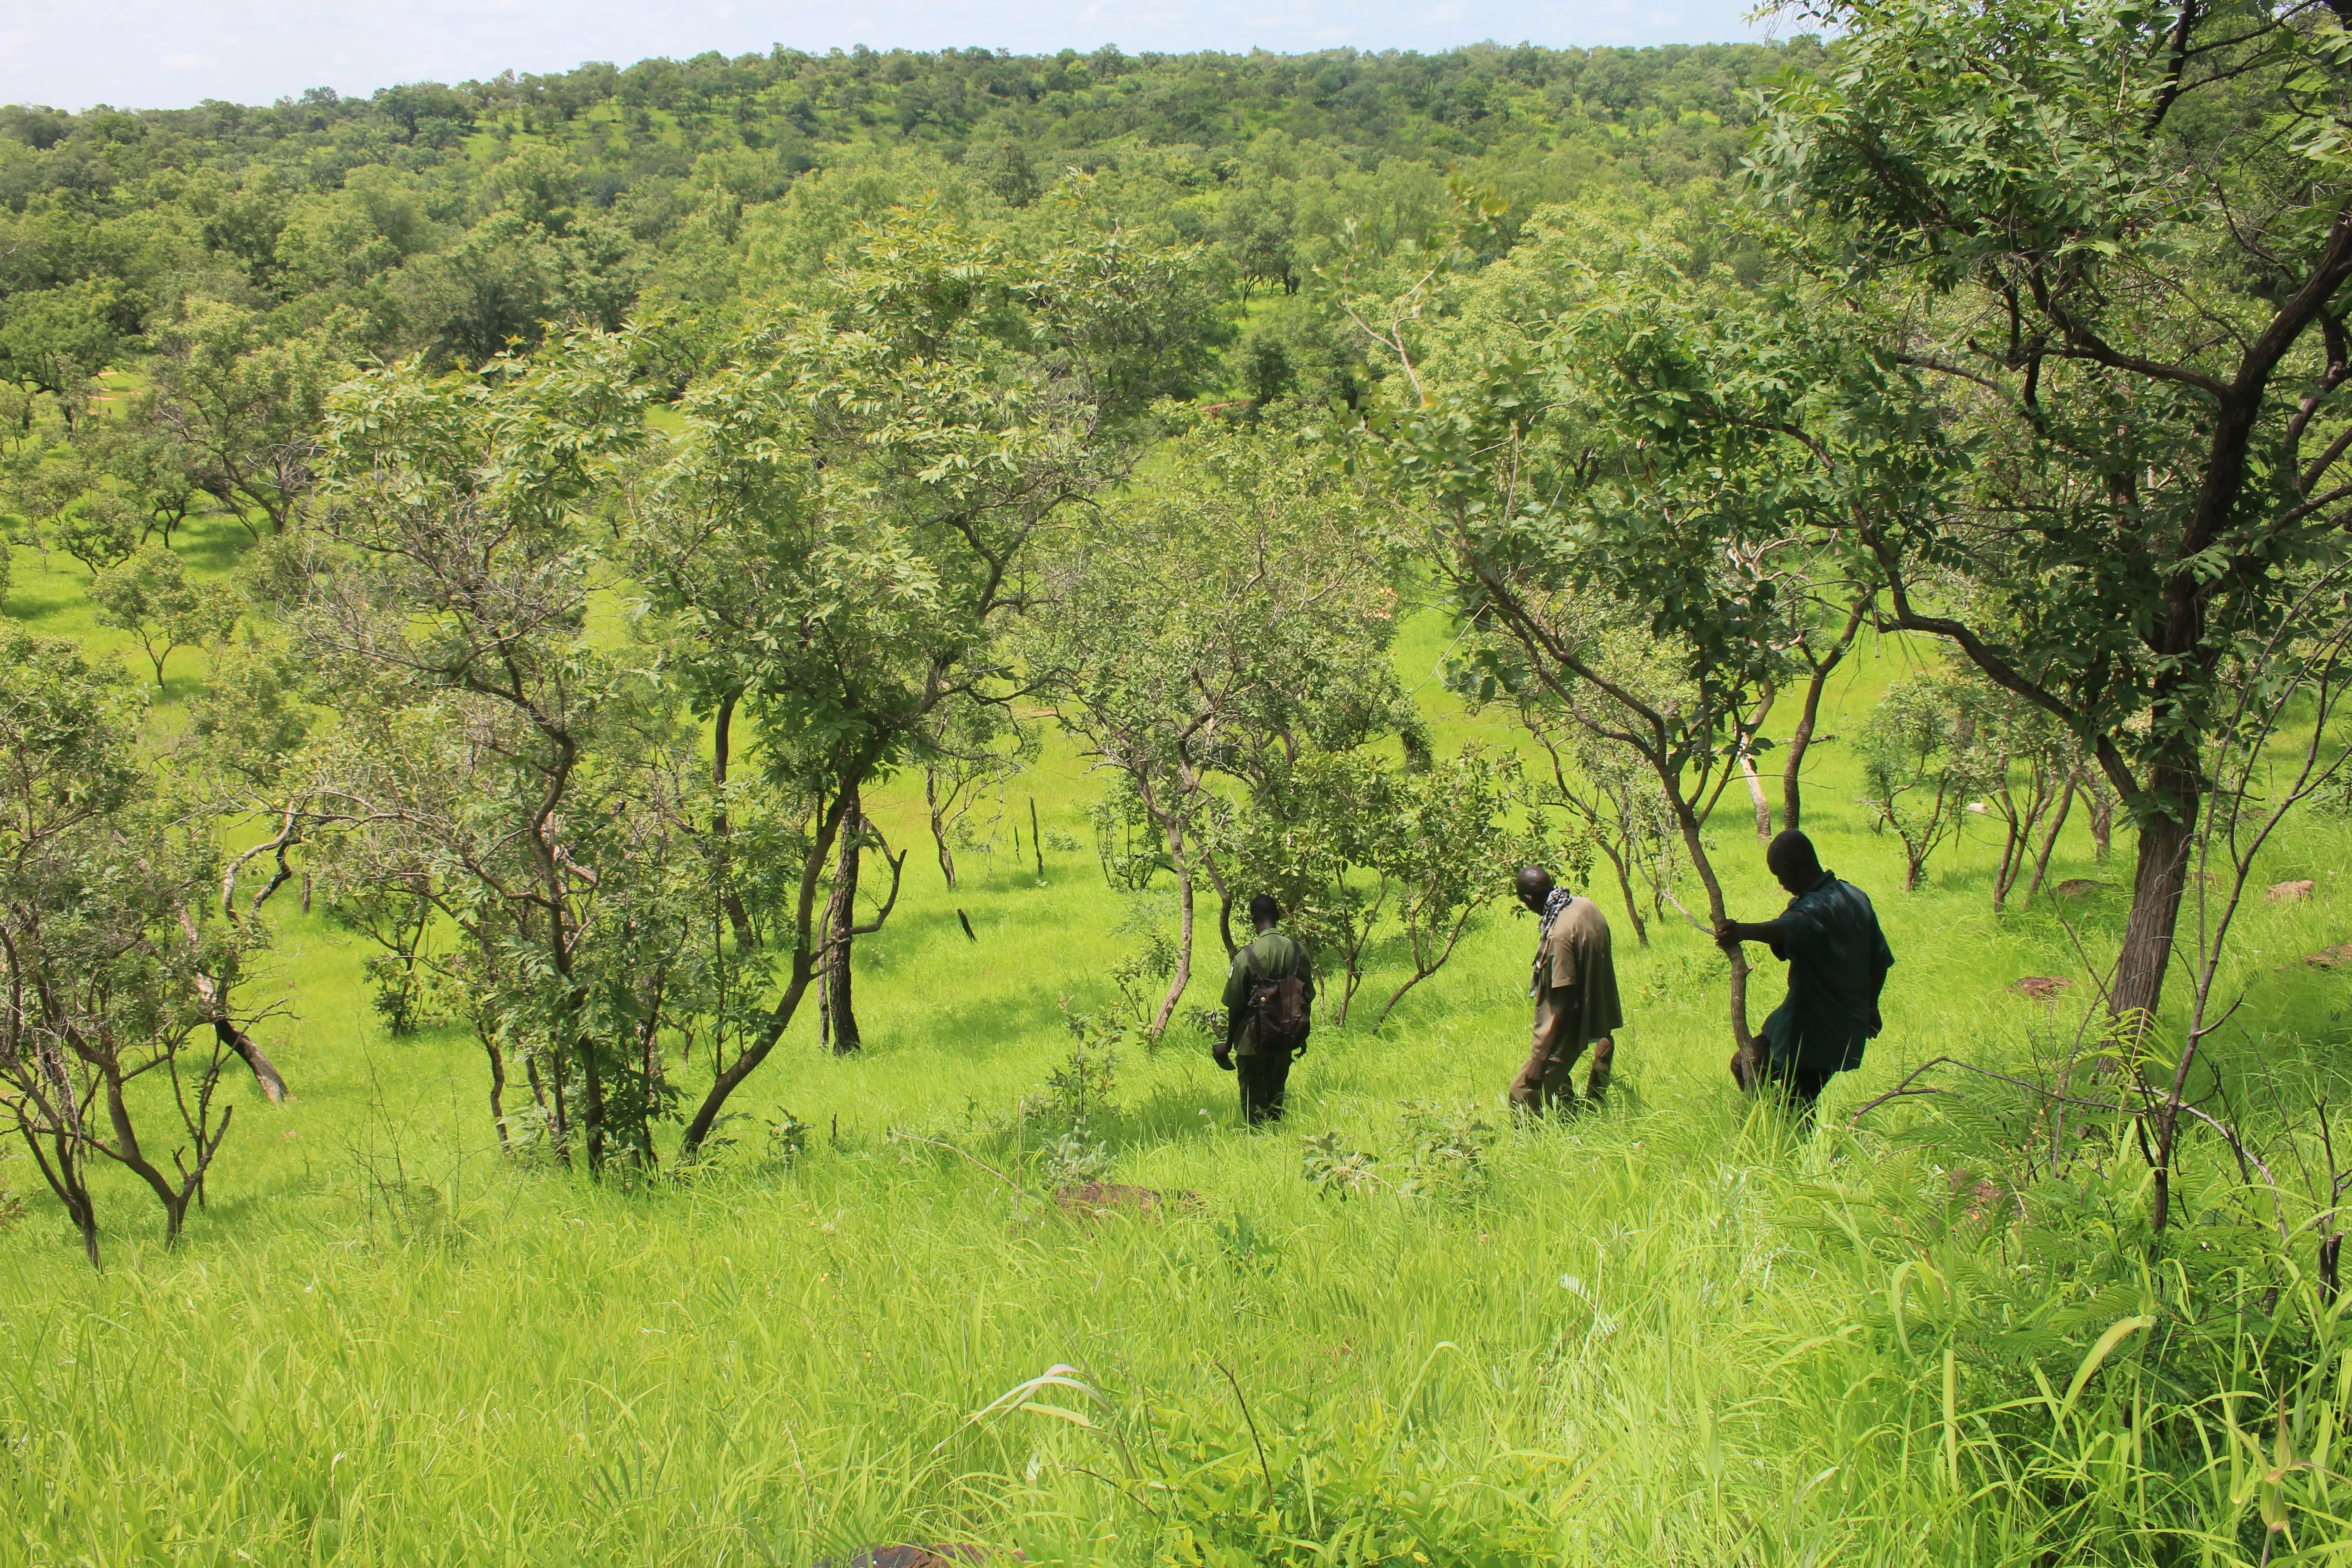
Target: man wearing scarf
[1575,990]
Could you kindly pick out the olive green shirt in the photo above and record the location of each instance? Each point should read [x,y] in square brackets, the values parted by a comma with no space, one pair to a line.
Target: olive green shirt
[1576,974]
[1272,956]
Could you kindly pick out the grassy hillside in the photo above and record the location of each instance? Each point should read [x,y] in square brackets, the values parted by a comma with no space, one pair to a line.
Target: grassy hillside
[1672,1329]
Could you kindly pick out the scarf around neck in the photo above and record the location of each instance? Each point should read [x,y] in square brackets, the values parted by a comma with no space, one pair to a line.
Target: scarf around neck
[1556,901]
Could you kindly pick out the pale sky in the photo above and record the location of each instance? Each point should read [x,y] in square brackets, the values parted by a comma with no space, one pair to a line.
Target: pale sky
[148,54]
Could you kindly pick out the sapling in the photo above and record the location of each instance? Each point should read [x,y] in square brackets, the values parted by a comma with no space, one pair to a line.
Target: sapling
[151,596]
[1916,769]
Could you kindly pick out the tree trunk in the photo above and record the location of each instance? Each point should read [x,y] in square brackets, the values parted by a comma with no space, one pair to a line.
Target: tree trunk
[498,1091]
[1746,1052]
[224,1030]
[722,749]
[2158,882]
[840,916]
[84,1218]
[1791,789]
[128,1152]
[237,1040]
[560,1120]
[731,1076]
[2050,839]
[1755,794]
[1225,902]
[2099,799]
[1036,839]
[1625,890]
[64,1172]
[939,825]
[592,1085]
[2014,843]
[1183,975]
[1744,735]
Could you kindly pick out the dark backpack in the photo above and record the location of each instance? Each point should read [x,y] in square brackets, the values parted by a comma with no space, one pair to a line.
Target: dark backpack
[1278,1013]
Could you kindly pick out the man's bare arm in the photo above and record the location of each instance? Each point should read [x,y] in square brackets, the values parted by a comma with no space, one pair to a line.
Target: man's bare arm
[1730,933]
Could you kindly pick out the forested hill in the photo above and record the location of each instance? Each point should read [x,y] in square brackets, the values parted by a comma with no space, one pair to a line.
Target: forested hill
[456,221]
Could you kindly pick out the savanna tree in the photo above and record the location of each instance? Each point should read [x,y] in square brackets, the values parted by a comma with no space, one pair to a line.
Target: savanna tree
[976,748]
[1601,471]
[2106,245]
[1917,769]
[1221,625]
[1314,838]
[848,518]
[1609,796]
[2028,769]
[41,489]
[241,410]
[119,981]
[1448,851]
[99,531]
[158,475]
[55,340]
[448,592]
[150,595]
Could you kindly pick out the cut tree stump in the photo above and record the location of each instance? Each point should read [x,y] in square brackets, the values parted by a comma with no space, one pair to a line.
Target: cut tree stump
[1094,1200]
[2289,892]
[1983,1196]
[2040,987]
[911,1557]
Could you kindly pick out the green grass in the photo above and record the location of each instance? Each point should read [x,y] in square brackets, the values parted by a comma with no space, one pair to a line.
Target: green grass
[1669,1331]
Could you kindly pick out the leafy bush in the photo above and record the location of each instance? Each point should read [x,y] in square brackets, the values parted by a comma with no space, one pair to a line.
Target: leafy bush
[1441,1155]
[1076,1158]
[1443,1152]
[1080,1088]
[788,1137]
[1334,1171]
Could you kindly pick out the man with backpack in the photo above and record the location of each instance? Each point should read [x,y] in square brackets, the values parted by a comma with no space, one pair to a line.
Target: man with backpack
[1269,1004]
[1575,991]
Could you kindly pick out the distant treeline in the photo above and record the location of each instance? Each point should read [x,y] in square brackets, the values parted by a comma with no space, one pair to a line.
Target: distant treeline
[456,221]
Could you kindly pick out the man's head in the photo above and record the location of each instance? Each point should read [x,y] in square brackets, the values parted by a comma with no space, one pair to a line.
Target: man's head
[1790,858]
[1534,887]
[1264,911]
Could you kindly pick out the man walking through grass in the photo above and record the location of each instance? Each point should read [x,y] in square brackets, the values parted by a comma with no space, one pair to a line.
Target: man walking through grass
[1838,960]
[1575,990]
[1269,1004]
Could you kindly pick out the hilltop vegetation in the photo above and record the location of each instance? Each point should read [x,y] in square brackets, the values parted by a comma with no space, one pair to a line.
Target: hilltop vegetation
[452,221]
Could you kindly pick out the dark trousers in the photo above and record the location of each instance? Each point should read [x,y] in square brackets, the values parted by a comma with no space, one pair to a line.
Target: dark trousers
[1803,1085]
[1262,1077]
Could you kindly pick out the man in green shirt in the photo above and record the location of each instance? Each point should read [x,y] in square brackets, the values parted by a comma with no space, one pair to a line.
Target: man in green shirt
[1838,960]
[1269,1002]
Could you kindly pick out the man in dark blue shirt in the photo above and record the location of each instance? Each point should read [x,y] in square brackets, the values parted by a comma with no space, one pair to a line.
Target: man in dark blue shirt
[1837,959]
